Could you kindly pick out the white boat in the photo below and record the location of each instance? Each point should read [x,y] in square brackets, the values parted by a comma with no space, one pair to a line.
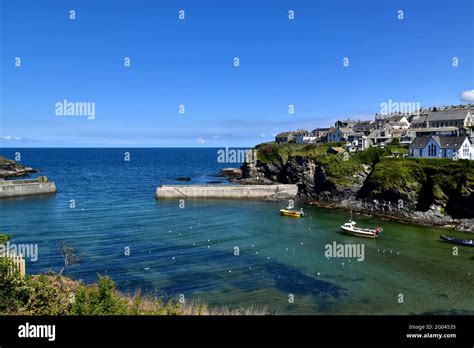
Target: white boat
[351,228]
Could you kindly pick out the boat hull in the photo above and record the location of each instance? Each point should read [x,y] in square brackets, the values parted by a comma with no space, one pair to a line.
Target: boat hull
[359,234]
[290,213]
[453,240]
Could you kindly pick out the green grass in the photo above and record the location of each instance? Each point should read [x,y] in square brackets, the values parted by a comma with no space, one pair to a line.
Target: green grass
[448,183]
[397,175]
[272,152]
[4,238]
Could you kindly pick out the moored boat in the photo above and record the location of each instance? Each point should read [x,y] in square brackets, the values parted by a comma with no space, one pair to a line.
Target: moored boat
[467,242]
[292,212]
[351,228]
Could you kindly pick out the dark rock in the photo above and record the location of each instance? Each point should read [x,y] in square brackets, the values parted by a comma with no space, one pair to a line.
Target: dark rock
[361,192]
[183,178]
[10,169]
[231,172]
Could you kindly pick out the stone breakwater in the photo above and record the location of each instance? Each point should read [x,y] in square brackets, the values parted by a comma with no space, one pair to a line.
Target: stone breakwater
[267,192]
[15,188]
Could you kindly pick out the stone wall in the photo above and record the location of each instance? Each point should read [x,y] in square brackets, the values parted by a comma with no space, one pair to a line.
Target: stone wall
[25,187]
[230,191]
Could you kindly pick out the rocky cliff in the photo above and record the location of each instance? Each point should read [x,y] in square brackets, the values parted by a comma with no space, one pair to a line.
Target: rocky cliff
[9,168]
[436,192]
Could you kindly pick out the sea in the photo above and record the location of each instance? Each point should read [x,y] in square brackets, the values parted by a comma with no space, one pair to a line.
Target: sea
[226,253]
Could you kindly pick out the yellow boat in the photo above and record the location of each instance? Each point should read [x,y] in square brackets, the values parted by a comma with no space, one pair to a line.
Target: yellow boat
[292,213]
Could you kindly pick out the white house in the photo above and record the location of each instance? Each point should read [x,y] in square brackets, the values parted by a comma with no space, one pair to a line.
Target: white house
[357,142]
[439,146]
[306,138]
[339,134]
[380,136]
[398,122]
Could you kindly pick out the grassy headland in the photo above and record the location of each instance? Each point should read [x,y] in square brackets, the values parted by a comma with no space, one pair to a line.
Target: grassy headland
[420,183]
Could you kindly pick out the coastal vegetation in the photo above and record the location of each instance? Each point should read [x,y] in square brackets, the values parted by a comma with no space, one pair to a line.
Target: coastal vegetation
[54,294]
[379,179]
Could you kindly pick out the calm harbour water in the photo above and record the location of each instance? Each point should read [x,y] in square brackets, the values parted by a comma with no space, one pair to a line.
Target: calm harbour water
[190,251]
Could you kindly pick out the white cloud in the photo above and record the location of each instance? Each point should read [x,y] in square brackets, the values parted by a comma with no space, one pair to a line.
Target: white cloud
[468,96]
[10,138]
[201,141]
[263,135]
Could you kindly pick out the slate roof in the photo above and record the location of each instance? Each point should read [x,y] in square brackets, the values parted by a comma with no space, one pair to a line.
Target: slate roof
[418,120]
[445,142]
[451,142]
[420,142]
[396,118]
[447,115]
[346,130]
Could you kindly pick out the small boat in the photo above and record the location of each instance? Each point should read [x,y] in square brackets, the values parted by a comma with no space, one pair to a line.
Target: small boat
[351,228]
[468,242]
[292,212]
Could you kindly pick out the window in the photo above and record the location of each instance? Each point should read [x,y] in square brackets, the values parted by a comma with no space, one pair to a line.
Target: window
[432,148]
[465,151]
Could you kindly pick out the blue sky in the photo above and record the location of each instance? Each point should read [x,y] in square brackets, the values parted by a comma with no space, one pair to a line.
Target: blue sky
[190,62]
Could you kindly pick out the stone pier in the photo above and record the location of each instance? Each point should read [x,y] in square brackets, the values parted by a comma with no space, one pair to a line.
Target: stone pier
[14,188]
[226,191]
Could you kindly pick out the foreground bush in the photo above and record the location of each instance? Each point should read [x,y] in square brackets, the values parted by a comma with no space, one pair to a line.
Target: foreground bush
[53,294]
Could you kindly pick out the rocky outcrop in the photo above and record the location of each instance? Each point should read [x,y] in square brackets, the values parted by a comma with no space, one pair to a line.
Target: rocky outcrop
[10,169]
[314,183]
[183,178]
[441,196]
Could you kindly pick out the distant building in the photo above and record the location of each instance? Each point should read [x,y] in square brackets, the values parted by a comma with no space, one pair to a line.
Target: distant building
[321,132]
[339,134]
[380,137]
[357,142]
[364,126]
[304,137]
[397,122]
[441,146]
[418,121]
[285,137]
[448,131]
[444,118]
[404,136]
[402,119]
[345,123]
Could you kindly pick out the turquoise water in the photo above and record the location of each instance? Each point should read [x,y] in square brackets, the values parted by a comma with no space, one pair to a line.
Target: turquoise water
[190,250]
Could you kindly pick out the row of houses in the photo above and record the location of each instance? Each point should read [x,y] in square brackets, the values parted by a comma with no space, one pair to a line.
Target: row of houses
[429,133]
